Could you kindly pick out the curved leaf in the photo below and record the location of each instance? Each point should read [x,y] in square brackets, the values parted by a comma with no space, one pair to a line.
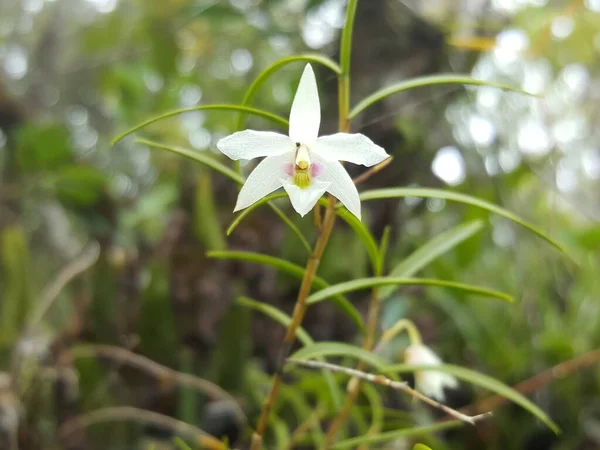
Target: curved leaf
[292,226]
[427,80]
[397,434]
[378,194]
[223,169]
[483,381]
[298,401]
[437,246]
[301,334]
[363,283]
[265,74]
[364,235]
[197,156]
[276,315]
[421,447]
[322,349]
[294,270]
[246,109]
[242,215]
[376,409]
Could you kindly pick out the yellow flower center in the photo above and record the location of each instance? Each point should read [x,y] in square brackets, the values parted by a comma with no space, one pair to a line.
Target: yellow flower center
[302,167]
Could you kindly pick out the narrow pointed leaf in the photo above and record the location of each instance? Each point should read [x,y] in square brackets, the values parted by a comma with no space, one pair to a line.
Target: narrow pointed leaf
[378,194]
[223,169]
[397,434]
[246,109]
[242,215]
[200,157]
[483,381]
[427,80]
[292,226]
[437,246]
[285,320]
[296,271]
[364,283]
[323,349]
[277,65]
[364,235]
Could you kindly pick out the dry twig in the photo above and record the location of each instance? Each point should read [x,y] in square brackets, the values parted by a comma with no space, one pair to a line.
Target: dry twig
[127,413]
[162,373]
[398,385]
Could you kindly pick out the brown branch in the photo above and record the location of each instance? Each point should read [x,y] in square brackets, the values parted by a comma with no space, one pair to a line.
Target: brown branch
[354,384]
[538,381]
[372,171]
[127,413]
[297,316]
[80,264]
[398,385]
[162,373]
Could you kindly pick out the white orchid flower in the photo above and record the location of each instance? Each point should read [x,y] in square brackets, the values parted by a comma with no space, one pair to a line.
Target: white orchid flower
[430,382]
[305,165]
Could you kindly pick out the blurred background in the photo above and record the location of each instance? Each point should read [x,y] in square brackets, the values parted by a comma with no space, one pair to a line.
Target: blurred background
[105,246]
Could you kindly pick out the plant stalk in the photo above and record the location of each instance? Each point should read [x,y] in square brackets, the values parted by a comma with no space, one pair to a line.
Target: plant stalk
[297,316]
[354,384]
[323,237]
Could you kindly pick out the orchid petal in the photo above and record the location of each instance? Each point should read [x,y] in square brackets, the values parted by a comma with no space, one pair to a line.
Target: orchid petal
[249,144]
[303,200]
[354,148]
[342,187]
[305,115]
[264,179]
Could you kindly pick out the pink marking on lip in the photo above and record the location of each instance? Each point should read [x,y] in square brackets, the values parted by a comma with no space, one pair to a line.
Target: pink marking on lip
[316,169]
[289,169]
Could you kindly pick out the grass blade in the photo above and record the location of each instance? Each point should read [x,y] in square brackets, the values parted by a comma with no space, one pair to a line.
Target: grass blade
[277,65]
[221,107]
[378,194]
[427,80]
[397,434]
[363,283]
[285,320]
[436,247]
[484,381]
[296,271]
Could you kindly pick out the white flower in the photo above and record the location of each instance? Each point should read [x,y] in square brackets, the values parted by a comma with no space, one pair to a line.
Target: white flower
[305,165]
[429,382]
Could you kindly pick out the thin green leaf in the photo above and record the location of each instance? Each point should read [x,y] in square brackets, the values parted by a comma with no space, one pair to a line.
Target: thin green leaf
[281,434]
[285,320]
[362,232]
[180,443]
[376,409]
[242,215]
[246,109]
[483,381]
[383,248]
[296,271]
[364,235]
[266,74]
[323,349]
[223,169]
[437,246]
[397,434]
[276,315]
[298,401]
[421,447]
[292,226]
[363,283]
[200,157]
[378,194]
[427,80]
